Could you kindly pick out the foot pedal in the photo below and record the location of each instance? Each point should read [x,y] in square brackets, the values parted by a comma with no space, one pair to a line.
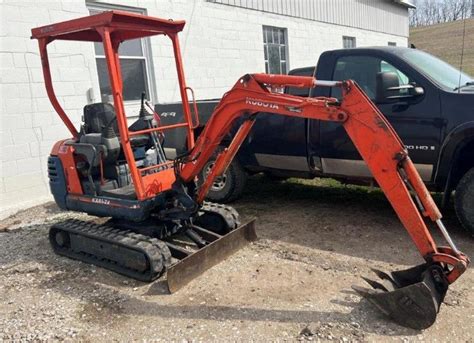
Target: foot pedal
[411,297]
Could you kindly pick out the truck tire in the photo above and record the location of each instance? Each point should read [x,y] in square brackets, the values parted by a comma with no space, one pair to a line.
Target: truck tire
[464,201]
[229,186]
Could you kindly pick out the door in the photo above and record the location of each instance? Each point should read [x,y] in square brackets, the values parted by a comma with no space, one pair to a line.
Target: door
[279,142]
[417,120]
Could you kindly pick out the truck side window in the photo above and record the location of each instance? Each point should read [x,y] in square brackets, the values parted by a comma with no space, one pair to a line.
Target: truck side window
[363,70]
[402,78]
[303,92]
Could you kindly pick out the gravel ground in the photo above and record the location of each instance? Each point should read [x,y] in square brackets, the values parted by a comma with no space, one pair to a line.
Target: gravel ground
[316,240]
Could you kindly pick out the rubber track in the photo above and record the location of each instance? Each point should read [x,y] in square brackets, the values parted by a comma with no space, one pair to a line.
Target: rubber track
[156,253]
[230,215]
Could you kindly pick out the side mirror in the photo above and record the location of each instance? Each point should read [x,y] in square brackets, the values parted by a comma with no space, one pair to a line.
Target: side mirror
[388,89]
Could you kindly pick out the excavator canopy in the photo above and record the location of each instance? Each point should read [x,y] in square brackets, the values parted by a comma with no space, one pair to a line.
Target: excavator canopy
[124,25]
[111,28]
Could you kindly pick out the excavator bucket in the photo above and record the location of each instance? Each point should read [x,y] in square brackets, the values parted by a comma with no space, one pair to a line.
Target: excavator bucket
[192,265]
[411,297]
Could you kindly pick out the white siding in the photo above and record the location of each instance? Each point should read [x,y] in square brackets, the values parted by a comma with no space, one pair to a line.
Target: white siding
[29,126]
[362,14]
[219,44]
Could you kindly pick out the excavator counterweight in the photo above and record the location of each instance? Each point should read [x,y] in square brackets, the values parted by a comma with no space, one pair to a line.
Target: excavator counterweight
[158,219]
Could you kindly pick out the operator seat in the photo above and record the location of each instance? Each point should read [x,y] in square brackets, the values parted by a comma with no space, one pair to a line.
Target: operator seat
[99,142]
[100,115]
[100,131]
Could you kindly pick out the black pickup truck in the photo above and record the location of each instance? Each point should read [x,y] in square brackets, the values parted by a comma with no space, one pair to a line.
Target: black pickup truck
[429,103]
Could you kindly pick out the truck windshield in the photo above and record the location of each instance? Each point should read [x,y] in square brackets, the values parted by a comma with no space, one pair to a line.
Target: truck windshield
[439,71]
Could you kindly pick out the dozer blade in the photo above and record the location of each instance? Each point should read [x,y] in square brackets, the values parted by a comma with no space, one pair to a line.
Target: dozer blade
[181,273]
[415,299]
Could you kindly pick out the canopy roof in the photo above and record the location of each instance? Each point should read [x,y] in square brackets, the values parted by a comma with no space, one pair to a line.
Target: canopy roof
[406,3]
[123,25]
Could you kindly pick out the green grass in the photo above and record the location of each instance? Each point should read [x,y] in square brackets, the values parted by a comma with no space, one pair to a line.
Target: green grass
[321,190]
[445,41]
[263,192]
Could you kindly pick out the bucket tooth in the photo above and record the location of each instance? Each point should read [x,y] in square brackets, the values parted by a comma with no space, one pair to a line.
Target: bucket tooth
[416,302]
[384,276]
[375,284]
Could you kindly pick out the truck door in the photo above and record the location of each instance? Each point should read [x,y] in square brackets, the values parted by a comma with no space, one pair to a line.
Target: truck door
[417,121]
[279,142]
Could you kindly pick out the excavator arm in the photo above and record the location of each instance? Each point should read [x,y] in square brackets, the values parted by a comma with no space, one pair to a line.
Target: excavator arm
[413,296]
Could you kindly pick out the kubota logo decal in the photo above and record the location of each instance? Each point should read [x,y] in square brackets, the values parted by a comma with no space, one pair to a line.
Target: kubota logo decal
[255,102]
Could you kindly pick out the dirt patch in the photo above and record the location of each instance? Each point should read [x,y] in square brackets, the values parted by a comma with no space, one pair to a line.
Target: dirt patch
[31,216]
[316,240]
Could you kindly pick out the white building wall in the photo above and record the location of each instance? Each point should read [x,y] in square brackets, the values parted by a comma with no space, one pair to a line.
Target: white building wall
[222,43]
[29,126]
[352,13]
[219,44]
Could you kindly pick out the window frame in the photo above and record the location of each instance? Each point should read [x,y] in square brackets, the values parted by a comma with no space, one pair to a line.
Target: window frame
[285,47]
[145,44]
[380,59]
[351,39]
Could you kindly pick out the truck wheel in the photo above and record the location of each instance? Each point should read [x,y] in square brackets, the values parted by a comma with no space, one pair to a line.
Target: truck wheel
[464,201]
[227,187]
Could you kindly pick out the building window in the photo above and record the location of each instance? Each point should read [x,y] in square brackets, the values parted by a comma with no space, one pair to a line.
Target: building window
[135,63]
[392,44]
[275,48]
[348,42]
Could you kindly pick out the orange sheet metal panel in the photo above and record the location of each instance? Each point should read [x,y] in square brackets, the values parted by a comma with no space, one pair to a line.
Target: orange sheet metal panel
[156,183]
[66,155]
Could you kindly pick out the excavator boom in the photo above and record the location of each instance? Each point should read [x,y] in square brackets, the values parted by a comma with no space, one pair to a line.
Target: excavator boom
[387,159]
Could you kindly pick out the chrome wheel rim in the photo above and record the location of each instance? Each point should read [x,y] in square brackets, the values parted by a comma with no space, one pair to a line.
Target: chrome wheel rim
[219,182]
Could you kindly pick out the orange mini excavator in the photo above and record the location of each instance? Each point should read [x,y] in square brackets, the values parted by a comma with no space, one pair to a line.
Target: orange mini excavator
[157,218]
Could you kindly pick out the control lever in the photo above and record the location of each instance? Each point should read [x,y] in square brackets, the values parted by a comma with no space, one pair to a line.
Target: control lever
[147,115]
[144,113]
